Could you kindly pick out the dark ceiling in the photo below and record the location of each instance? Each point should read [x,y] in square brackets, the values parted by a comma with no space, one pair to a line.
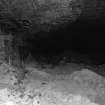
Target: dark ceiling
[85,34]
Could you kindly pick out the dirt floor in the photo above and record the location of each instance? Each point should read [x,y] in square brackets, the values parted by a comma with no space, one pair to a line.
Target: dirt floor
[47,86]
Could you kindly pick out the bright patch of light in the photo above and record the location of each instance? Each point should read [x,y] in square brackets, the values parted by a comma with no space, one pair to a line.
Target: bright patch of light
[9,103]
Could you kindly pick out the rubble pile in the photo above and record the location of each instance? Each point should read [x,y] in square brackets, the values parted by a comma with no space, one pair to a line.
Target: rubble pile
[76,89]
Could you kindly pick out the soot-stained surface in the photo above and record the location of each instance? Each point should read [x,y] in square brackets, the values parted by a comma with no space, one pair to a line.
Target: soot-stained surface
[83,40]
[79,41]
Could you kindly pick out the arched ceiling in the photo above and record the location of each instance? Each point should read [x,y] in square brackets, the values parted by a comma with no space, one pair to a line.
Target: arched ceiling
[35,15]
